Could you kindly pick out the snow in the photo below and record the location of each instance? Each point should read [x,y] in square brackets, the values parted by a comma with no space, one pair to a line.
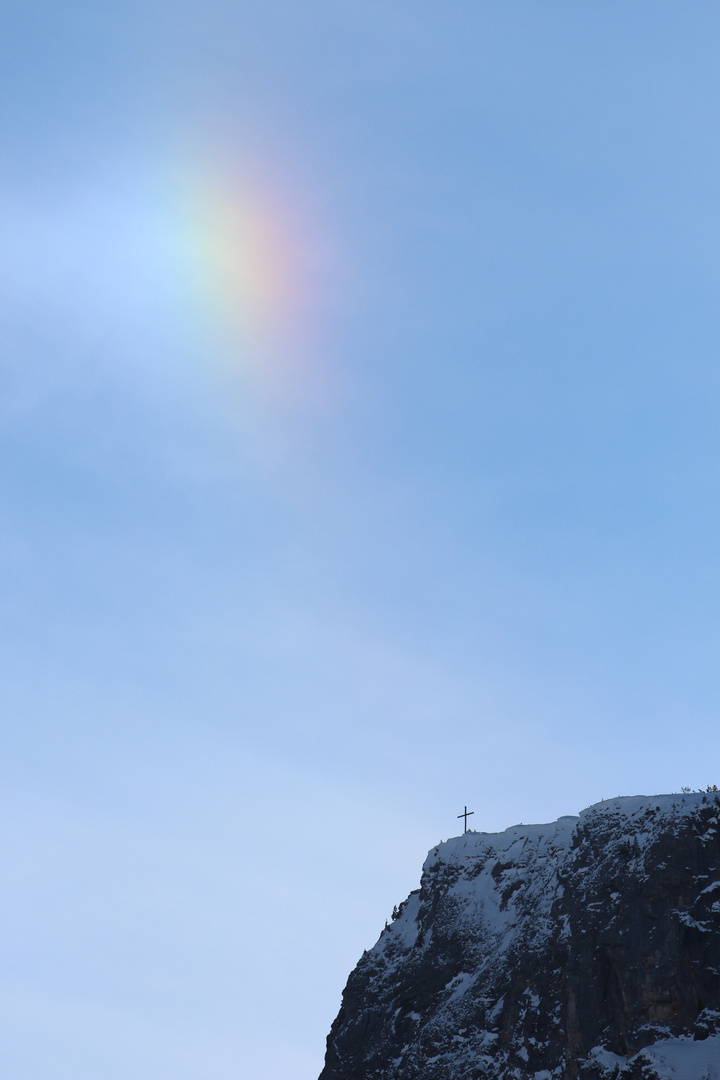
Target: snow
[679,1058]
[688,920]
[460,983]
[686,1059]
[471,843]
[490,874]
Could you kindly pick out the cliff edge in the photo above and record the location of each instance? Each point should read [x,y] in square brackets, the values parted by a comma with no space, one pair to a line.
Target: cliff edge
[589,948]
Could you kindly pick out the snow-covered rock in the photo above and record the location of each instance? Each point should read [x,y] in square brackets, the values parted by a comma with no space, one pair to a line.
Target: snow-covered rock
[588,947]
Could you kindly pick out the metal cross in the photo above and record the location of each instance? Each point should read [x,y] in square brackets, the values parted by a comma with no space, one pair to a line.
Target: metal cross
[466,814]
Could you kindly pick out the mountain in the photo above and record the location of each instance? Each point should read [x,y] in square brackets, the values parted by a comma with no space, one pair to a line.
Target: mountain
[588,948]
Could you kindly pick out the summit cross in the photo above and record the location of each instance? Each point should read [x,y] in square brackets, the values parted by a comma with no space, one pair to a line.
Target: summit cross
[466,814]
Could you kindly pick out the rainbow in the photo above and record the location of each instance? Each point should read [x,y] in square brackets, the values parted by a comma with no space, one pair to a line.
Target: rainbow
[247,256]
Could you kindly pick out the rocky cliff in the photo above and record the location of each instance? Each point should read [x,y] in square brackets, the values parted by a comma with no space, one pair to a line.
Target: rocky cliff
[589,948]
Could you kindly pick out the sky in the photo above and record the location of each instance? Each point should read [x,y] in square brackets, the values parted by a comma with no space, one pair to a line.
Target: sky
[359,459]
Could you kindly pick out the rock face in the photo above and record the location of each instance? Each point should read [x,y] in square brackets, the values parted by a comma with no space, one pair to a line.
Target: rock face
[586,948]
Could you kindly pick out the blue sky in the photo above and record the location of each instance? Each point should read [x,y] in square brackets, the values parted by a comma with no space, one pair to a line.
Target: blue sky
[359,460]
